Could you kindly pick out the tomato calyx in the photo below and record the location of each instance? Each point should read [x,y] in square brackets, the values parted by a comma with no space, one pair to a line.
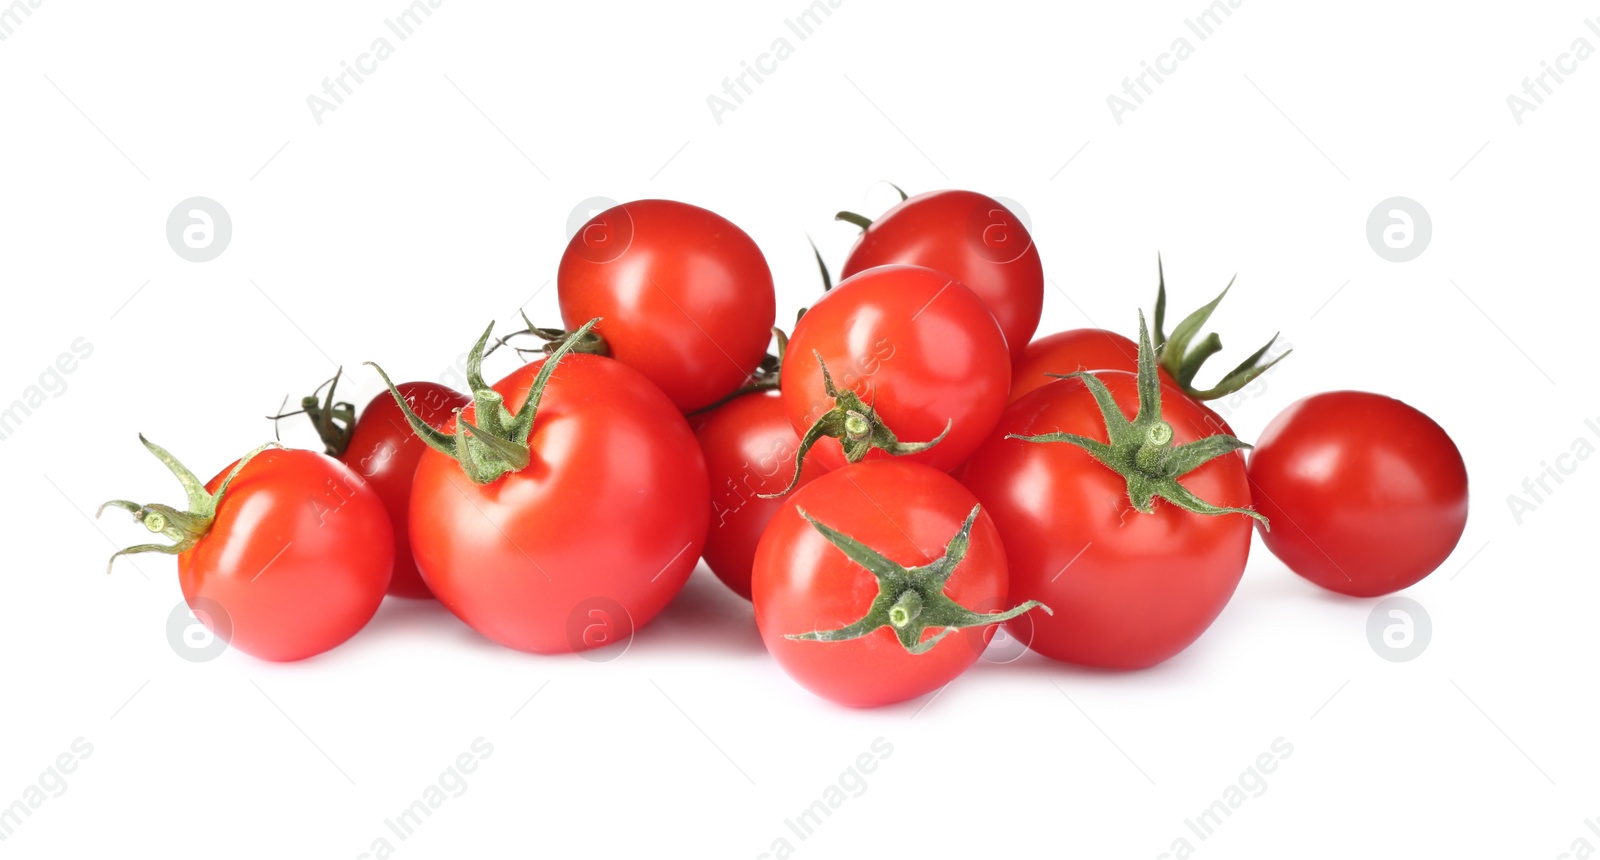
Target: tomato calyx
[498,444]
[591,342]
[1141,450]
[863,221]
[184,528]
[910,600]
[335,420]
[1182,358]
[856,425]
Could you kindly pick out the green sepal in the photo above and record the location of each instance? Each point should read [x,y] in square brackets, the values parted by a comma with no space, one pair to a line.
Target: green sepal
[910,600]
[183,528]
[1141,450]
[1183,363]
[334,420]
[498,443]
[857,427]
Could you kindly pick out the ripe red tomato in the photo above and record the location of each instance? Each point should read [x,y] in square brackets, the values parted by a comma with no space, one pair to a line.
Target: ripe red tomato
[604,524]
[1129,589]
[296,555]
[1366,495]
[383,450]
[1068,352]
[686,296]
[749,449]
[916,347]
[804,583]
[970,237]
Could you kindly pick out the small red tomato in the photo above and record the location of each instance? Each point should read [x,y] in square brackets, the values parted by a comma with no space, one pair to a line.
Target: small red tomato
[578,522]
[1068,352]
[1097,524]
[911,354]
[1366,495]
[750,450]
[972,238]
[864,581]
[293,547]
[383,450]
[686,296]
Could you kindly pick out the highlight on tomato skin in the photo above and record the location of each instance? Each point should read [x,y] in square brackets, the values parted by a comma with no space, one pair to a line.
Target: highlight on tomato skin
[1367,494]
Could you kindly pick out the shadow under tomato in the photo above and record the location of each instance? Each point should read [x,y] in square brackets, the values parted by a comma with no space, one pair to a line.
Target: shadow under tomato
[705,617]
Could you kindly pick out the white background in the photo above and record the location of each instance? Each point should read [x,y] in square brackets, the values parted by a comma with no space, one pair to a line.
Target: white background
[437,197]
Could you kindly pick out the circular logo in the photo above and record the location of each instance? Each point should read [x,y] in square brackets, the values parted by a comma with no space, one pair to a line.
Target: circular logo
[1004,646]
[998,232]
[1399,629]
[200,632]
[199,229]
[599,630]
[1399,229]
[599,237]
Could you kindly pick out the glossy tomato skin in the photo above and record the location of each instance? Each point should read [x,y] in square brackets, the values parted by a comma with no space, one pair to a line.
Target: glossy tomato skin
[972,238]
[684,296]
[1129,589]
[602,528]
[385,451]
[1069,352]
[917,346]
[1366,494]
[749,449]
[802,582]
[298,556]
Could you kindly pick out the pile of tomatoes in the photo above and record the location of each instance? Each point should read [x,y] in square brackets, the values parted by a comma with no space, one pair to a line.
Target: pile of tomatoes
[908,470]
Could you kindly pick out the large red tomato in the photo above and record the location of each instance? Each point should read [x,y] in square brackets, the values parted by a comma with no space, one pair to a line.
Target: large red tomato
[290,560]
[1129,588]
[685,296]
[859,623]
[911,349]
[383,450]
[972,238]
[750,450]
[601,527]
[1366,495]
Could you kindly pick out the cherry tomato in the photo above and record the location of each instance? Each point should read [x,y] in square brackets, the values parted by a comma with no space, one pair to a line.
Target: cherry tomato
[1366,495]
[804,583]
[970,237]
[685,296]
[282,557]
[749,449]
[1068,352]
[1129,589]
[592,538]
[919,350]
[383,450]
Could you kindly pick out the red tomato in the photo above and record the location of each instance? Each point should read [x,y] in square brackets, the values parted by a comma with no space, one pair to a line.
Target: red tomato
[291,560]
[1069,352]
[972,238]
[686,296]
[916,346]
[1366,495]
[804,583]
[602,527]
[383,450]
[1129,589]
[749,449]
